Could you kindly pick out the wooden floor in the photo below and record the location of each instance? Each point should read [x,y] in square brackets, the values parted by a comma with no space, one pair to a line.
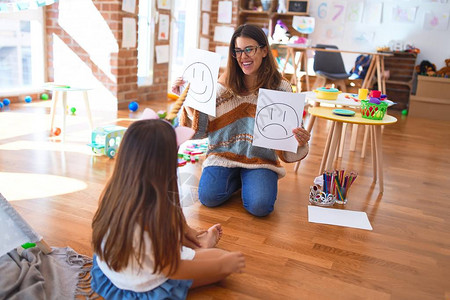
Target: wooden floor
[55,186]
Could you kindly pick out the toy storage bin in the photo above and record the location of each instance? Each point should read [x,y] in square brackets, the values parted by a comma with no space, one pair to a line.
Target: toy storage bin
[373,111]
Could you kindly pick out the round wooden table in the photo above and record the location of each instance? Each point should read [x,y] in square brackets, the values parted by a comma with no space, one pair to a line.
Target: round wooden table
[334,135]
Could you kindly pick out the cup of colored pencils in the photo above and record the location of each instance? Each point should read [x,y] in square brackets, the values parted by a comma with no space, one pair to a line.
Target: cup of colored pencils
[338,184]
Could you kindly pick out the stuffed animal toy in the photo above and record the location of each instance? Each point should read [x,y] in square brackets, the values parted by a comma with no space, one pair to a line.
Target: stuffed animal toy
[445,71]
[281,33]
[426,68]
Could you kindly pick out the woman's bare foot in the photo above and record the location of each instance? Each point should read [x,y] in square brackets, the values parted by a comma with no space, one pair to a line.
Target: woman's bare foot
[210,238]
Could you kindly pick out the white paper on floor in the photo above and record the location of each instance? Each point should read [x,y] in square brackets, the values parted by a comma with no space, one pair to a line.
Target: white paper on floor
[339,217]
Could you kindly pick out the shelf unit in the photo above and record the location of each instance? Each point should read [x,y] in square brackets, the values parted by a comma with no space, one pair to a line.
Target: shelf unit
[401,75]
[268,19]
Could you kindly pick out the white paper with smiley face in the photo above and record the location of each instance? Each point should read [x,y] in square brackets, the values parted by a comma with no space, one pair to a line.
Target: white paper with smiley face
[202,71]
[277,114]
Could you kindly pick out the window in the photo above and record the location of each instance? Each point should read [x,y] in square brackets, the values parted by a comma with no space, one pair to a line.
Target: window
[185,24]
[21,51]
[146,41]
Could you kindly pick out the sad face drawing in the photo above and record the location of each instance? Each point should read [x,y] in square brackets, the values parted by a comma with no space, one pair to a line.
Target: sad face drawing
[272,121]
[200,77]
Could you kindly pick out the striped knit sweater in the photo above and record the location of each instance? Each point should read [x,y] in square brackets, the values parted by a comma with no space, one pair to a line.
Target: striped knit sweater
[230,134]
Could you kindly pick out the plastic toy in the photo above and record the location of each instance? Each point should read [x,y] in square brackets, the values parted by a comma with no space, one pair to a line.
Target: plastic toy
[133,106]
[6,101]
[106,140]
[28,99]
[44,96]
[405,112]
[73,110]
[1,105]
[56,131]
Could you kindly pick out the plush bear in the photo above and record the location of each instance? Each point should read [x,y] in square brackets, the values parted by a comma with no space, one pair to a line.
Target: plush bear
[445,71]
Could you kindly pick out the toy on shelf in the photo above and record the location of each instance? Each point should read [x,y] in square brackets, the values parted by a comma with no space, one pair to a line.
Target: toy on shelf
[106,140]
[28,99]
[375,107]
[6,102]
[44,96]
[444,71]
[331,188]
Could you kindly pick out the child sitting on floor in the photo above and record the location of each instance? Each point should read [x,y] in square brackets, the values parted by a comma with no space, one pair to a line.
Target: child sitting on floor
[139,230]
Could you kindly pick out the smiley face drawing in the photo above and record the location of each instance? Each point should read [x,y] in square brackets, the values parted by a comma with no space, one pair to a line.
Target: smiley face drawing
[272,121]
[200,77]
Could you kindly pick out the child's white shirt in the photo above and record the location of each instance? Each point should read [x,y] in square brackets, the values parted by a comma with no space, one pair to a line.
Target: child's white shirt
[139,279]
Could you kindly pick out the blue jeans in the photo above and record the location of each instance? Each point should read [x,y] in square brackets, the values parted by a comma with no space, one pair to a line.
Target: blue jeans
[259,188]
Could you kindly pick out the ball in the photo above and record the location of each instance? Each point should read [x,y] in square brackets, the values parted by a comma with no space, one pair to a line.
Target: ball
[28,99]
[1,105]
[73,110]
[56,131]
[44,96]
[133,106]
[405,112]
[6,101]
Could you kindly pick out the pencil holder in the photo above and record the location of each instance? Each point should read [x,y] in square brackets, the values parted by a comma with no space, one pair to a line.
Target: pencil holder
[373,111]
[318,197]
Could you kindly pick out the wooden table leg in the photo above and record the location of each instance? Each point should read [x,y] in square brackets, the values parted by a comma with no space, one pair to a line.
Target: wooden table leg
[326,150]
[383,78]
[305,66]
[286,61]
[88,109]
[364,145]
[379,150]
[380,87]
[53,110]
[64,102]
[333,146]
[374,154]
[342,142]
[354,137]
[369,75]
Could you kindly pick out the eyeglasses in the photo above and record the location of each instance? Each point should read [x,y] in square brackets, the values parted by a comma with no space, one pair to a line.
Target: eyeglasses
[249,51]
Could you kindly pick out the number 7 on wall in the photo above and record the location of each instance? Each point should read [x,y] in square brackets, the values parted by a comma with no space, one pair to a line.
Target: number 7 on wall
[338,12]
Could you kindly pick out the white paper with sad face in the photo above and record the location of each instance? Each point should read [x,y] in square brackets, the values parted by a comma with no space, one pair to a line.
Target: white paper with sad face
[202,71]
[277,113]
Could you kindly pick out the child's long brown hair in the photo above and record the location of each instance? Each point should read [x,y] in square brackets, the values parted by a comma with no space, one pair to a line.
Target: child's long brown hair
[268,75]
[142,191]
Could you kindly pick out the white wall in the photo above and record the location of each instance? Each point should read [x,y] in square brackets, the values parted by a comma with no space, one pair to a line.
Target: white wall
[335,24]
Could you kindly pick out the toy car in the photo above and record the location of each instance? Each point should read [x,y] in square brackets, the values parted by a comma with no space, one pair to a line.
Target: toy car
[106,140]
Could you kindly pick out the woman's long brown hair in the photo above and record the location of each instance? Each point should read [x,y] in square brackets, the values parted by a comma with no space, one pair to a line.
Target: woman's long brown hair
[141,193]
[268,75]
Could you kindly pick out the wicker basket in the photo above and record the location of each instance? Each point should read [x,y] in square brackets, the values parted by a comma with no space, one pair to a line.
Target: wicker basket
[373,111]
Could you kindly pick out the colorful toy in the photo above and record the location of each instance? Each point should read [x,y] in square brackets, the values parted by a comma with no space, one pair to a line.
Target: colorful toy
[73,110]
[192,153]
[6,101]
[28,99]
[56,131]
[133,106]
[44,96]
[445,71]
[375,108]
[405,112]
[106,140]
[1,105]
[177,105]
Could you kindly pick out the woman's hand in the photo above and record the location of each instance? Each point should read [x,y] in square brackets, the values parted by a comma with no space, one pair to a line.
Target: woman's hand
[301,135]
[190,238]
[177,84]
